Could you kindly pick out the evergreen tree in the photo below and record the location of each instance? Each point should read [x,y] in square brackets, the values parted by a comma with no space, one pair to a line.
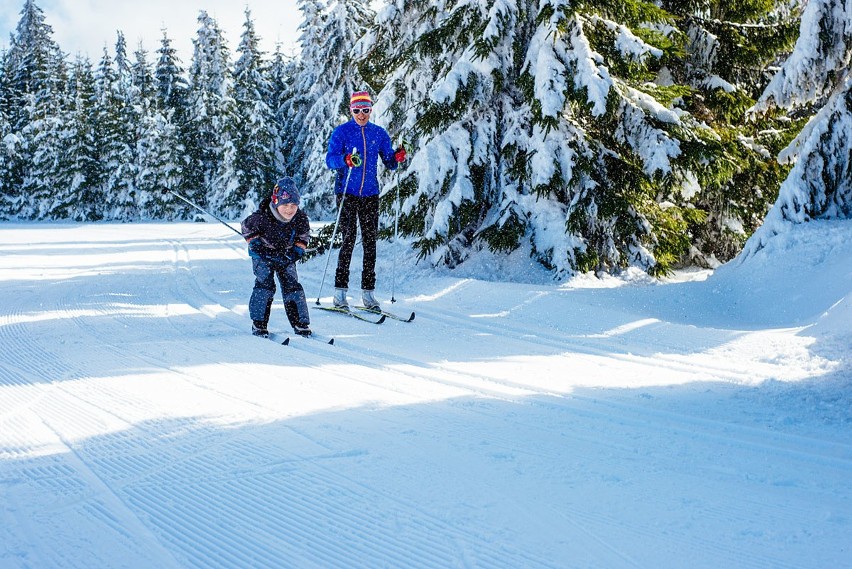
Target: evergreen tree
[172,92]
[142,79]
[327,75]
[35,64]
[117,121]
[574,127]
[156,143]
[282,70]
[43,194]
[81,172]
[158,151]
[819,64]
[729,50]
[814,78]
[447,94]
[10,162]
[170,83]
[37,76]
[255,149]
[211,124]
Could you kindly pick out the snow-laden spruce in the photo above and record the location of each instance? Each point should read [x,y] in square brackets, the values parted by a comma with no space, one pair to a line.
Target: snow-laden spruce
[538,125]
[819,64]
[210,171]
[255,162]
[820,184]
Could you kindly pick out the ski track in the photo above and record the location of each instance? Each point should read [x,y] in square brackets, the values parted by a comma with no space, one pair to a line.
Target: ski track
[299,506]
[725,434]
[700,429]
[196,293]
[226,545]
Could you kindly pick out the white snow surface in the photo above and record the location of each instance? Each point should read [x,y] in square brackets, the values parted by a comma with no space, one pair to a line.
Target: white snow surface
[702,422]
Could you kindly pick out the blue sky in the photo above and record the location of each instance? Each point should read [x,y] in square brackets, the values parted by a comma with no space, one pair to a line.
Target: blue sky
[86,26]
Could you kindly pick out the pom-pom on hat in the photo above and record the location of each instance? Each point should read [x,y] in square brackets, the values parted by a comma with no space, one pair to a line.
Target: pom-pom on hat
[360,99]
[284,192]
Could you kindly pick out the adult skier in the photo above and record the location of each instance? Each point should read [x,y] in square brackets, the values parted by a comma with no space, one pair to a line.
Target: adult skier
[354,151]
[278,234]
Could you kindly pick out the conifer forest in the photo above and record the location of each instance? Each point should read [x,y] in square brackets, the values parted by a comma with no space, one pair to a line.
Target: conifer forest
[595,135]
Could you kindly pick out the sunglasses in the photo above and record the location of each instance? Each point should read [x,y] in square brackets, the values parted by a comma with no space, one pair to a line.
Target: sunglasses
[366,111]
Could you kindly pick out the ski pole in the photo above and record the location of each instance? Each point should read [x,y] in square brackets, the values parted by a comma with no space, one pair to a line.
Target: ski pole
[337,221]
[202,210]
[396,224]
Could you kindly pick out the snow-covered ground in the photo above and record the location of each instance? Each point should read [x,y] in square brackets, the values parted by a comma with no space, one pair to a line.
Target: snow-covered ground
[703,422]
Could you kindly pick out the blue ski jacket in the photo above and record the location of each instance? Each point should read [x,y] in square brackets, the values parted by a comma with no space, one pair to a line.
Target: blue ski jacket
[372,142]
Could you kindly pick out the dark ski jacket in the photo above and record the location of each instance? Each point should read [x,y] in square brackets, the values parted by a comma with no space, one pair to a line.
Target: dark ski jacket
[276,236]
[373,142]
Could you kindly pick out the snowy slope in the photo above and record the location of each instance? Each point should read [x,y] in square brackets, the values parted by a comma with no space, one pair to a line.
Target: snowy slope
[702,422]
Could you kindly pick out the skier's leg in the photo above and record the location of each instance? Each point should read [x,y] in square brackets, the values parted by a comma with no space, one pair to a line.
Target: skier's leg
[260,302]
[368,214]
[349,230]
[293,293]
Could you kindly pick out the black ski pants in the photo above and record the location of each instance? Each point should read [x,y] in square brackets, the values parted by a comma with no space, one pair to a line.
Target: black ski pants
[364,212]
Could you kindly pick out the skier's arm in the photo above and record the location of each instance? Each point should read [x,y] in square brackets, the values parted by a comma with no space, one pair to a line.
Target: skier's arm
[249,228]
[303,233]
[387,152]
[335,157]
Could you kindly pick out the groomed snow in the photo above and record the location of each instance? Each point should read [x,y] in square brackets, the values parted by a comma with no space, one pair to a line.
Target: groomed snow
[702,422]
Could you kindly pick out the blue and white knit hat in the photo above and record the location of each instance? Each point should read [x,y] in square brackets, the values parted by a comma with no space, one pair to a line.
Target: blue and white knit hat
[284,192]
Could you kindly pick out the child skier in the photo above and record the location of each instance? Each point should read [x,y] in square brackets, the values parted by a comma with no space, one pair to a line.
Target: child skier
[278,234]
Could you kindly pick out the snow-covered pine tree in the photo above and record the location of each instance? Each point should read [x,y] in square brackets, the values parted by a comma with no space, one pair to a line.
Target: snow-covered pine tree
[34,63]
[211,177]
[81,172]
[172,92]
[255,149]
[10,163]
[159,165]
[157,151]
[117,120]
[142,78]
[328,74]
[605,145]
[820,184]
[820,62]
[42,195]
[730,49]
[541,122]
[281,73]
[295,78]
[37,78]
[448,93]
[170,84]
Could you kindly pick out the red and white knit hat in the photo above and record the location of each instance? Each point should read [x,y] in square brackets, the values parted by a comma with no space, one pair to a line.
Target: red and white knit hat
[360,99]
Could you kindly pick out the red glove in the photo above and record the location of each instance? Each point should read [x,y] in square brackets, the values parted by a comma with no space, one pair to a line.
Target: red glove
[400,155]
[352,160]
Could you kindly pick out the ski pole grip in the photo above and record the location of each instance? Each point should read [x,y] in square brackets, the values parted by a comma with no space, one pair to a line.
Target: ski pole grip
[355,157]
